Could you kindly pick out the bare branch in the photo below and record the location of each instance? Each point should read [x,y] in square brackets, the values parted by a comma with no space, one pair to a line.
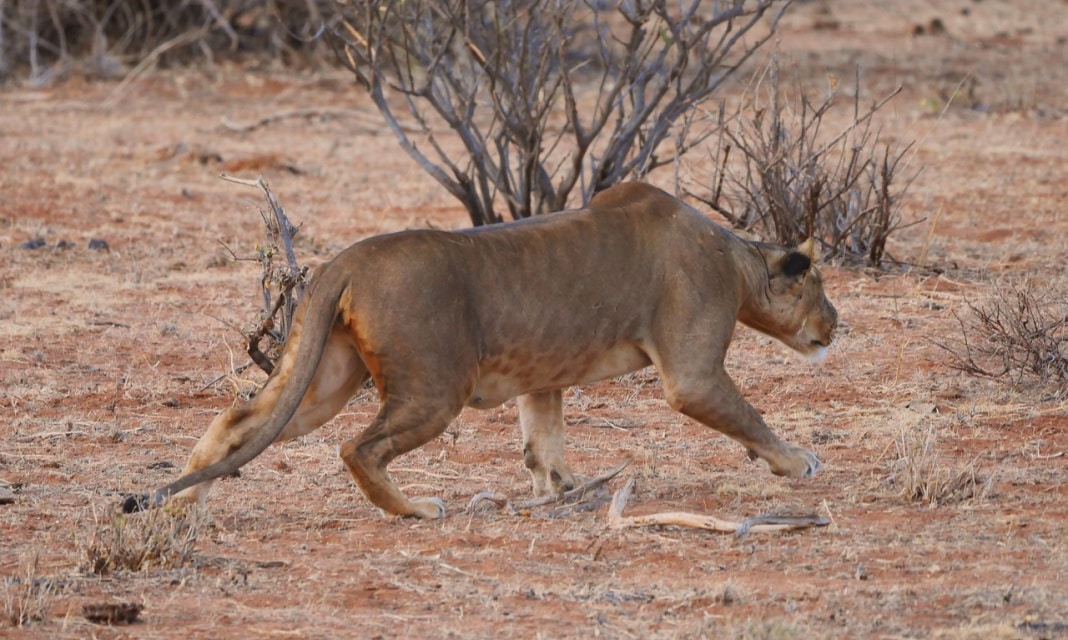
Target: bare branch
[508,80]
[288,279]
[757,524]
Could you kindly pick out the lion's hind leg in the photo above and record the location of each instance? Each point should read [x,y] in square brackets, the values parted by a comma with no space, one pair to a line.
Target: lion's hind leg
[541,419]
[339,376]
[398,428]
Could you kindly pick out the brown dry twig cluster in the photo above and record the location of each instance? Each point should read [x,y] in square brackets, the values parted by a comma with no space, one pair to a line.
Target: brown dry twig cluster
[1019,334]
[49,39]
[776,172]
[281,285]
[158,538]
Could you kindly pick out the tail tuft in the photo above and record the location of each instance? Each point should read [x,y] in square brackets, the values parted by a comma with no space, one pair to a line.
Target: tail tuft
[134,504]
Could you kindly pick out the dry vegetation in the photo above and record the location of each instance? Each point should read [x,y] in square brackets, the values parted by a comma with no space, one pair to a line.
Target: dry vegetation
[946,493]
[1018,335]
[794,180]
[160,539]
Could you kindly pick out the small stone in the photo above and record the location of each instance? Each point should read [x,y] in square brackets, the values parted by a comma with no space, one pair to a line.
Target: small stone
[35,243]
[7,496]
[96,244]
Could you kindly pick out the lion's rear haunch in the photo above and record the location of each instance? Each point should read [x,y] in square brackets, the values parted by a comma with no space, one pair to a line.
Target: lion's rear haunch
[442,320]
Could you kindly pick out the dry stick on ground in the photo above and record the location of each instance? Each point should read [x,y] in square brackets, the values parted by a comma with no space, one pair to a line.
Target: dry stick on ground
[574,495]
[367,120]
[290,279]
[756,524]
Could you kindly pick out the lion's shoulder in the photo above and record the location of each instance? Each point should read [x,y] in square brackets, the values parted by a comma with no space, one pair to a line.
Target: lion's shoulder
[630,194]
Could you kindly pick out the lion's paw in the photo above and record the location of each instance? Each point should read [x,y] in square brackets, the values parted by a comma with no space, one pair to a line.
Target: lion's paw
[796,463]
[428,508]
[552,479]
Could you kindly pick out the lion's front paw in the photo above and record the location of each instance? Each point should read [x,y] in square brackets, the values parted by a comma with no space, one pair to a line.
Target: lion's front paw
[795,462]
[552,479]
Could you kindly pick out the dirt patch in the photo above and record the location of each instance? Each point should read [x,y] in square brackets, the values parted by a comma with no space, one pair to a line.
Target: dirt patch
[106,355]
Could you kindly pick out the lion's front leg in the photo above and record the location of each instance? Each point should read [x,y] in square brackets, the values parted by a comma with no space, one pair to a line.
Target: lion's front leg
[713,400]
[541,418]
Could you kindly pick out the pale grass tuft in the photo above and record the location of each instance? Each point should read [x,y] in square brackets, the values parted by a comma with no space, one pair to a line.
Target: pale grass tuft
[981,631]
[763,629]
[924,476]
[28,595]
[161,538]
[748,487]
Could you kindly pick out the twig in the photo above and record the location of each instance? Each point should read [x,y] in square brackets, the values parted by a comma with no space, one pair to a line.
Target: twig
[150,60]
[576,494]
[365,119]
[290,279]
[223,377]
[52,434]
[756,524]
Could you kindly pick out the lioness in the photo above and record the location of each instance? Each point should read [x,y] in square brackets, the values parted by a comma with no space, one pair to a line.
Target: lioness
[441,320]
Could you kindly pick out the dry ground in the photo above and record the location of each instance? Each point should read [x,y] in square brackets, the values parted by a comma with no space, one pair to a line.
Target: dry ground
[105,357]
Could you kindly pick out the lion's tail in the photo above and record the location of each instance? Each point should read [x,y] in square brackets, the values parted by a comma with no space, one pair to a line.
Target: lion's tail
[323,299]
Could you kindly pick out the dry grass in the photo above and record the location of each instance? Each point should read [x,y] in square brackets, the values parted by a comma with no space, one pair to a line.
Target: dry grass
[162,538]
[27,596]
[923,475]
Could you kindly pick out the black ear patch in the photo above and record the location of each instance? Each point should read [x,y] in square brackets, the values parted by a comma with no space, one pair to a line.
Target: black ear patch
[795,264]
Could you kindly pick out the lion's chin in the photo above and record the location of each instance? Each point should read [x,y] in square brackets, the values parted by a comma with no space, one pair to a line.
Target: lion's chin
[810,350]
[816,356]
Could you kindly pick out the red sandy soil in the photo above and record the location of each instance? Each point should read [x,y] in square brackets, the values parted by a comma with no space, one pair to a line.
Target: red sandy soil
[106,359]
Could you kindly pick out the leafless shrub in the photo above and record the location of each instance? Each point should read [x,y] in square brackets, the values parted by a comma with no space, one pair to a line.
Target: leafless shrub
[48,38]
[546,97]
[788,181]
[28,595]
[282,283]
[158,538]
[1020,334]
[923,475]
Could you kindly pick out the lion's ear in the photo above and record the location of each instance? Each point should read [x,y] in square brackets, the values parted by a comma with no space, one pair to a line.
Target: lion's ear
[810,248]
[795,264]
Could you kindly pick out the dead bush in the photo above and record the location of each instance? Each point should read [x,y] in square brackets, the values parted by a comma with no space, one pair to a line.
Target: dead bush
[282,283]
[49,39]
[776,173]
[1019,334]
[162,538]
[550,100]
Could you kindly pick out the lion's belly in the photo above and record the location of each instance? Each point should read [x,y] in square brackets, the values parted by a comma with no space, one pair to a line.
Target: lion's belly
[503,378]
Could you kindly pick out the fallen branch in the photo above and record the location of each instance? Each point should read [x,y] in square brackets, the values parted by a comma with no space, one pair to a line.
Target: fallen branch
[757,524]
[576,495]
[371,123]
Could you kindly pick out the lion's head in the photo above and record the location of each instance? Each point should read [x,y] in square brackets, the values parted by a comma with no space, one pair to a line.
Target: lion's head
[791,306]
